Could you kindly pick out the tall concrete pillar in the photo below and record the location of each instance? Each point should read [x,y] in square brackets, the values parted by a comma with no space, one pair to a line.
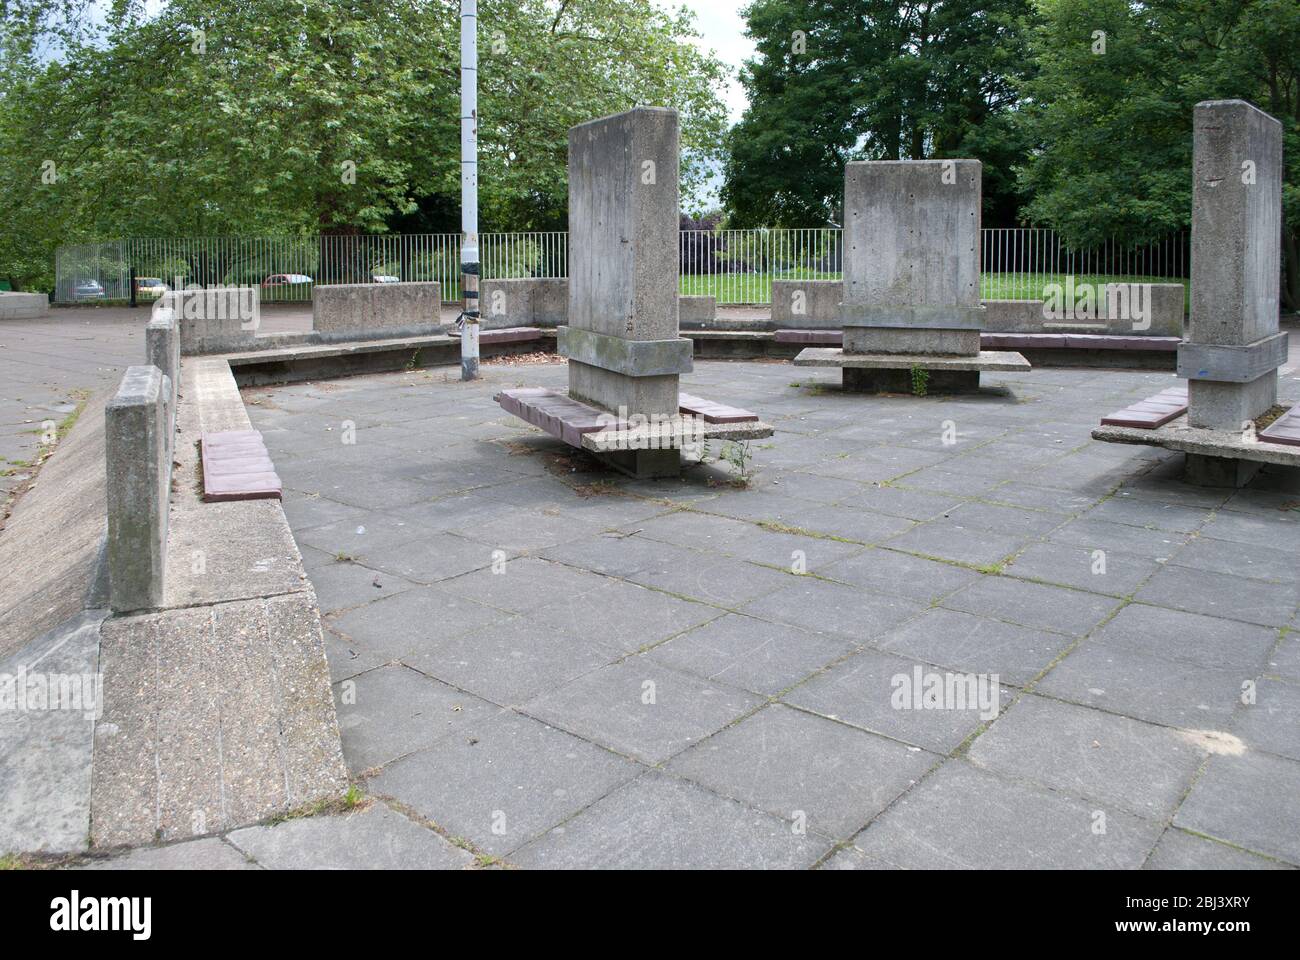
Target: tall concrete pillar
[1233,345]
[622,340]
[912,257]
[137,449]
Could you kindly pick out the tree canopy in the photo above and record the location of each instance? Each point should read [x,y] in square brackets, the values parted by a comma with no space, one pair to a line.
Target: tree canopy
[875,80]
[1081,110]
[255,117]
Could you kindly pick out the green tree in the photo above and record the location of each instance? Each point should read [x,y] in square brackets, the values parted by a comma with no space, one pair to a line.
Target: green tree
[1110,111]
[229,117]
[873,79]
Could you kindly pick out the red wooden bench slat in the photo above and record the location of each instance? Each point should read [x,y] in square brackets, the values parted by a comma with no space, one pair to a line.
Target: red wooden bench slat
[1285,429]
[713,412]
[1153,412]
[236,466]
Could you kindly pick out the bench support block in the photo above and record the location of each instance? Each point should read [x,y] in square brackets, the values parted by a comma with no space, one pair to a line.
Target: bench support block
[1204,471]
[644,464]
[865,380]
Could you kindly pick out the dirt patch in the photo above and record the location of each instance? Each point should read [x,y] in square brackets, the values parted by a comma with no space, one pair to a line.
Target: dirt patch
[1270,417]
[522,359]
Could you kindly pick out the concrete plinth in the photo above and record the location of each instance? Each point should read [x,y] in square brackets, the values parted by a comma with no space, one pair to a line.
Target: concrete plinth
[1229,406]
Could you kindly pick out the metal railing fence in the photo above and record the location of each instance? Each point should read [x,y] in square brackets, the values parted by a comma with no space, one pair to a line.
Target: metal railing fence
[735,266]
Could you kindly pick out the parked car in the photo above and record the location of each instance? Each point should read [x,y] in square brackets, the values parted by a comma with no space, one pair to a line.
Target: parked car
[88,290]
[150,288]
[384,278]
[285,279]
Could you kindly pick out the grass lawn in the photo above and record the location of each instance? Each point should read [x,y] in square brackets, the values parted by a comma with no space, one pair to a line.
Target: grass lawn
[757,288]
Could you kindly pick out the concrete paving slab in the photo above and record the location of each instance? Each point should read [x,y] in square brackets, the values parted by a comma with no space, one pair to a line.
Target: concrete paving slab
[411,622]
[209,853]
[1178,850]
[661,823]
[1251,800]
[1034,605]
[964,818]
[1137,767]
[511,661]
[751,654]
[862,615]
[895,573]
[642,709]
[375,838]
[805,768]
[394,711]
[861,691]
[1272,722]
[965,642]
[631,617]
[502,781]
[1221,595]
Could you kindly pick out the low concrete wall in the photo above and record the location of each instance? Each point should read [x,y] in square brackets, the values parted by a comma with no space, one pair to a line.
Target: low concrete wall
[216,319]
[162,346]
[23,306]
[352,311]
[525,302]
[806,304]
[814,305]
[697,311]
[138,459]
[1153,310]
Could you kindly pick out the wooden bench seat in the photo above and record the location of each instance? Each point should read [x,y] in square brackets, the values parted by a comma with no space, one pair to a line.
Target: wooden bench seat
[823,338]
[1285,429]
[712,412]
[1016,341]
[1153,412]
[237,466]
[567,419]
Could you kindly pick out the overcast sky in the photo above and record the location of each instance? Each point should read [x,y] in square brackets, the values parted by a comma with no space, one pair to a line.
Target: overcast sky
[723,30]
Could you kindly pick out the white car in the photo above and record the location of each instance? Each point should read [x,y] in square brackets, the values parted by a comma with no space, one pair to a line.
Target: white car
[384,278]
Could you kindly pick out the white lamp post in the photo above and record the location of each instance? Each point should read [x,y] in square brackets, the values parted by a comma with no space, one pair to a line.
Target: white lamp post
[469,255]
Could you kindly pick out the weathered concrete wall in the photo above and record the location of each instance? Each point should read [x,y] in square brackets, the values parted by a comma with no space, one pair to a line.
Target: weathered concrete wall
[806,304]
[350,311]
[697,310]
[1232,349]
[162,346]
[526,302]
[1149,309]
[138,459]
[215,320]
[911,263]
[623,258]
[814,305]
[23,306]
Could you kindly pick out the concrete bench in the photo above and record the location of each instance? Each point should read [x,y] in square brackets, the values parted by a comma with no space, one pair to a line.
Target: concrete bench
[508,335]
[1285,429]
[1164,407]
[570,420]
[237,466]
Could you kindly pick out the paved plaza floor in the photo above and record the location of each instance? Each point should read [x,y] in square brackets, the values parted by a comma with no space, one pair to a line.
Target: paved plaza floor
[542,664]
[555,666]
